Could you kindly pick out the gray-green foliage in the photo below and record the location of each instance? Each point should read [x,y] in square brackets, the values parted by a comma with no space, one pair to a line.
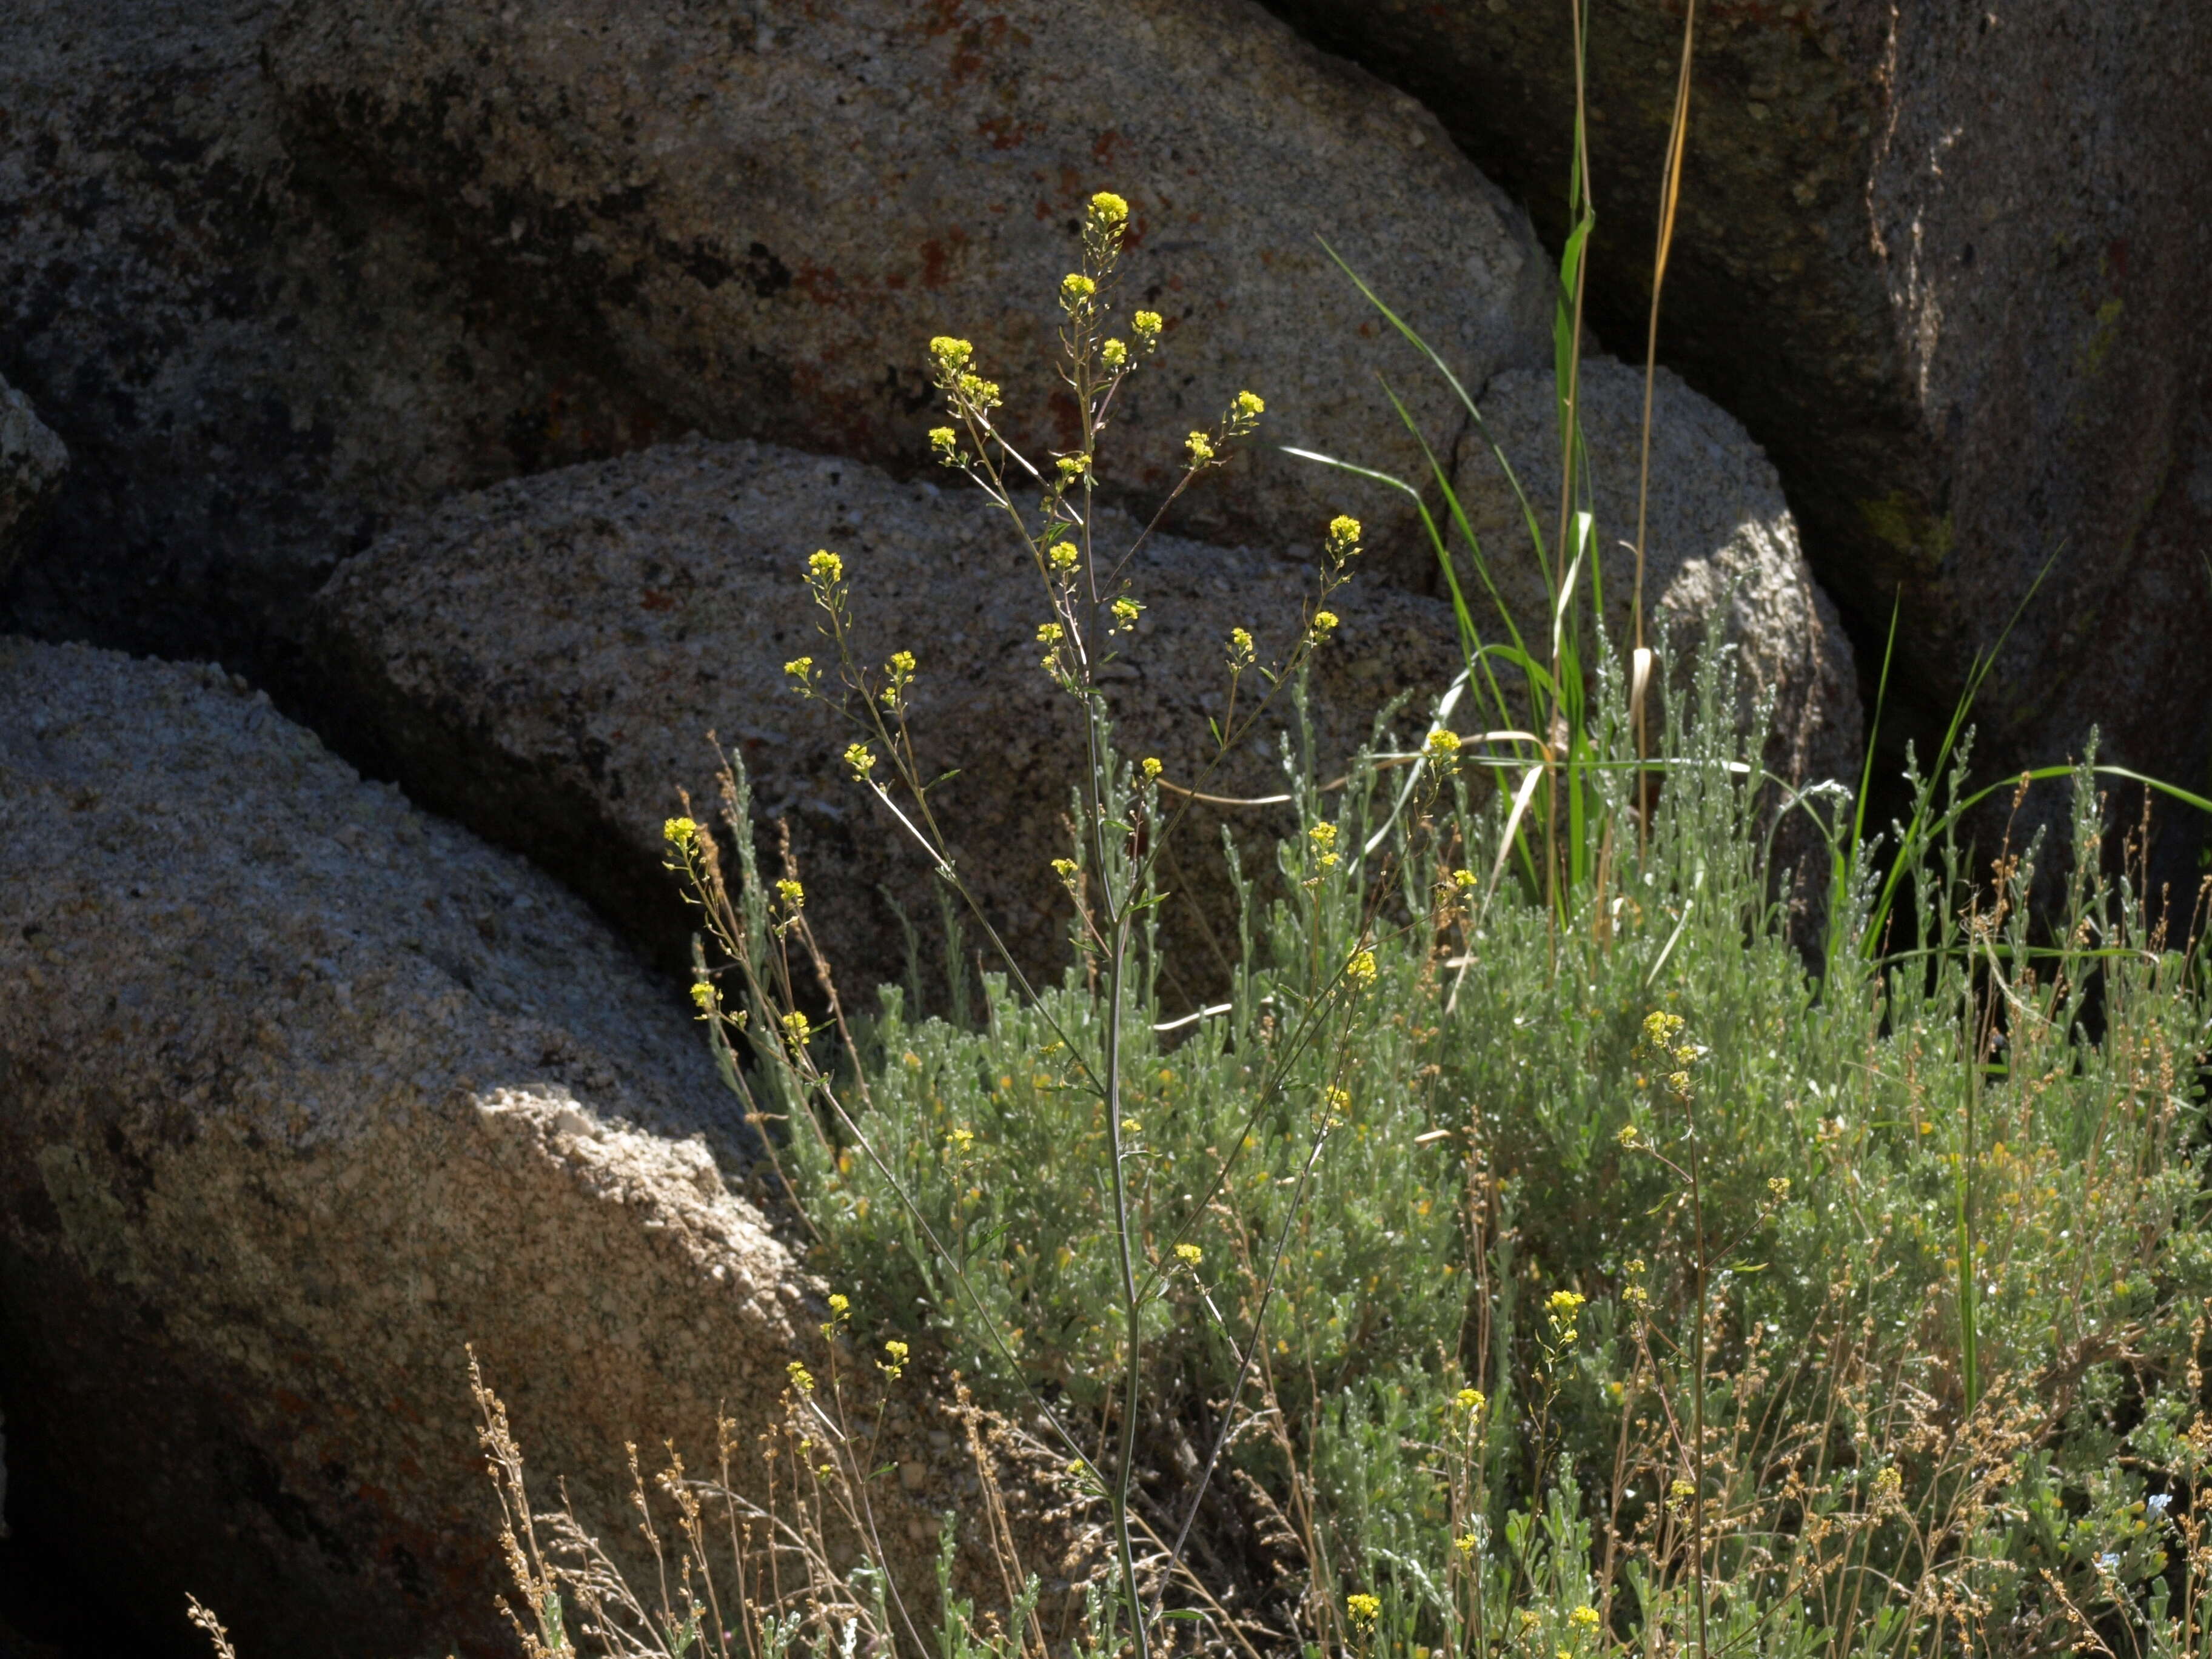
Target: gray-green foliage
[1479,1162]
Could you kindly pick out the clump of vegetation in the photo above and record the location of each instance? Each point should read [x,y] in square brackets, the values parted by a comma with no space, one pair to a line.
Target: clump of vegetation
[1531,1255]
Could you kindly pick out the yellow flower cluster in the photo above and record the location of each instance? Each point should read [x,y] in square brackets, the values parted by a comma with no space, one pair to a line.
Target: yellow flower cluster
[945,442]
[1470,1401]
[1241,653]
[1064,869]
[1115,354]
[861,759]
[1250,405]
[824,568]
[893,1366]
[680,832]
[703,994]
[1147,325]
[792,894]
[1074,288]
[798,1027]
[1126,613]
[1050,633]
[1323,837]
[801,671]
[1584,1619]
[1189,1255]
[1200,448]
[801,1378]
[1108,210]
[1363,1609]
[1063,556]
[1344,532]
[1152,768]
[1360,970]
[1324,624]
[1443,745]
[951,356]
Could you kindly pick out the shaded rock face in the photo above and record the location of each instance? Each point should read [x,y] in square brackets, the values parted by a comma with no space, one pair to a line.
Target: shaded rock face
[305,1091]
[1945,263]
[1719,538]
[31,463]
[253,365]
[768,215]
[545,659]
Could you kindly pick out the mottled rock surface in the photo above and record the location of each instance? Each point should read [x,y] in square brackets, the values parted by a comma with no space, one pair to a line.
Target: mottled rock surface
[766,215]
[546,658]
[304,1090]
[1718,534]
[1946,264]
[31,463]
[253,363]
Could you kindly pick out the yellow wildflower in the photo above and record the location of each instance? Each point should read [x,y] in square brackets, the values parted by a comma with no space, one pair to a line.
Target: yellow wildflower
[950,354]
[798,1027]
[1075,287]
[1050,633]
[1073,466]
[1360,970]
[1250,405]
[703,994]
[1465,880]
[1240,648]
[839,1305]
[1125,611]
[680,832]
[1443,745]
[1200,448]
[792,894]
[1344,532]
[895,1366]
[1189,1255]
[1562,1304]
[1147,325]
[945,442]
[1065,868]
[801,1378]
[861,759]
[1363,1609]
[825,568]
[1152,768]
[1114,354]
[1108,210]
[1324,624]
[1472,1400]
[802,669]
[1063,556]
[1584,1619]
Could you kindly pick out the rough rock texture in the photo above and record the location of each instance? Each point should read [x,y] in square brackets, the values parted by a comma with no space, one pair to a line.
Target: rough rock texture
[1946,263]
[305,1091]
[32,462]
[1717,533]
[546,659]
[253,364]
[768,214]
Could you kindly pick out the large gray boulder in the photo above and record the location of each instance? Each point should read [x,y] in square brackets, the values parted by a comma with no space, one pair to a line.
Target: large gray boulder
[1946,262]
[303,1091]
[1719,538]
[32,462]
[253,363]
[546,660]
[766,215]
